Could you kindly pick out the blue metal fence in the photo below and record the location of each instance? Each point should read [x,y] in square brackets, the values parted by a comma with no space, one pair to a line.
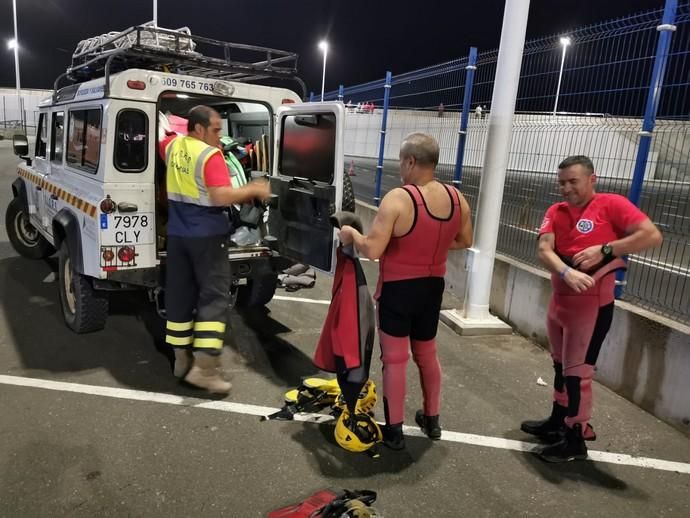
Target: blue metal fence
[586,94]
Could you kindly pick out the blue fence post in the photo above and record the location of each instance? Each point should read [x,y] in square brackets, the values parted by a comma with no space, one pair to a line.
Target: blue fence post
[382,144]
[663,45]
[311,97]
[341,92]
[466,104]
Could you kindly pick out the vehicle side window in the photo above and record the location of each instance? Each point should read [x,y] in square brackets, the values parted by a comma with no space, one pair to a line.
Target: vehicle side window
[41,137]
[56,137]
[131,141]
[84,139]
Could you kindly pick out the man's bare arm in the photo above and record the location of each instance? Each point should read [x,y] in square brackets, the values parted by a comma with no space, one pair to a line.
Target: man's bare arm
[227,195]
[465,235]
[640,237]
[373,244]
[578,281]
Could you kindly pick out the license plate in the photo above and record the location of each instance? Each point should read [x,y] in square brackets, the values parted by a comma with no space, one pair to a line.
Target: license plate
[132,229]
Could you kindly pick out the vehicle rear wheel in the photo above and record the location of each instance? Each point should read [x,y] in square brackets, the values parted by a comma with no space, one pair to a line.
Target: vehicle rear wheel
[83,308]
[258,291]
[25,238]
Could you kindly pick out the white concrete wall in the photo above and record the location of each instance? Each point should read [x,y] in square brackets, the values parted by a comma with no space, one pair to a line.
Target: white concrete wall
[645,358]
[540,142]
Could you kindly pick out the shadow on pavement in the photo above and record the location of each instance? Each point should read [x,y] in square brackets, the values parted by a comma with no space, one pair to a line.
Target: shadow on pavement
[131,348]
[331,461]
[255,338]
[587,472]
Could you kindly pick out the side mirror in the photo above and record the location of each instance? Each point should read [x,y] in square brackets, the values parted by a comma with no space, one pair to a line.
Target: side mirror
[20,145]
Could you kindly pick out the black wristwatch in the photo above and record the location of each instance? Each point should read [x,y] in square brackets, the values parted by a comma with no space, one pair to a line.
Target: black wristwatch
[607,251]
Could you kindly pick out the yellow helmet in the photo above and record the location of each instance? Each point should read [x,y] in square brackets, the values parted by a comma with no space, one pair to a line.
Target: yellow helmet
[366,401]
[313,394]
[356,433]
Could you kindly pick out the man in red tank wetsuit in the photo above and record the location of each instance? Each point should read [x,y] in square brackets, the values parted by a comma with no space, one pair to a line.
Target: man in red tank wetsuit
[579,241]
[413,230]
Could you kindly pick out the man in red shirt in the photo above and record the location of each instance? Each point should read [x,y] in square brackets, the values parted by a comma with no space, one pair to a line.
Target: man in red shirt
[198,273]
[579,241]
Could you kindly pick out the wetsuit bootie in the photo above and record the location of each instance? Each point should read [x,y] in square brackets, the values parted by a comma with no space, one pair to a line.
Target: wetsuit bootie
[183,362]
[205,373]
[550,429]
[393,436]
[429,425]
[571,447]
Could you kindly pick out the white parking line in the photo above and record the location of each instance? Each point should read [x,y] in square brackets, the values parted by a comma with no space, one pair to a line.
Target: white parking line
[299,299]
[256,410]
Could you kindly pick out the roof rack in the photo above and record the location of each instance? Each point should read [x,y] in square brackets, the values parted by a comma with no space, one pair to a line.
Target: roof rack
[178,51]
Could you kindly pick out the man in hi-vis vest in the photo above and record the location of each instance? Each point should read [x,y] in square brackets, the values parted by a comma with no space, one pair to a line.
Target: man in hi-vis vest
[198,271]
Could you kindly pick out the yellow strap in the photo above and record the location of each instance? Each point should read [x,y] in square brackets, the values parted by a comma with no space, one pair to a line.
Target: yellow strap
[208,343]
[179,326]
[218,327]
[179,340]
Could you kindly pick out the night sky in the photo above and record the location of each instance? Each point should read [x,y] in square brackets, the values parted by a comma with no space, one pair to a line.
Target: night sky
[366,37]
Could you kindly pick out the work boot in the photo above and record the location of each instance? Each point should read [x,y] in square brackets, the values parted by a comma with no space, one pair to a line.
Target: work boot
[393,436]
[429,425]
[571,447]
[205,373]
[550,429]
[183,361]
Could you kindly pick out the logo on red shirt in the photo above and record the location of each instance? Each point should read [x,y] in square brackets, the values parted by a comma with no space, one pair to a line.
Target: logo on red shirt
[585,226]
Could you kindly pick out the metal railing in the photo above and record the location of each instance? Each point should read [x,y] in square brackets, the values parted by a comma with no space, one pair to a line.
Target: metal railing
[584,95]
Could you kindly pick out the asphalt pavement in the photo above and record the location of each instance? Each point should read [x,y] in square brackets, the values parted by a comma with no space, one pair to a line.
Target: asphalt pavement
[96,425]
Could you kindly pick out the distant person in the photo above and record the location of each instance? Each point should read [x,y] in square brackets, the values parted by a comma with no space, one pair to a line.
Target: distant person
[478,112]
[441,109]
[413,230]
[580,240]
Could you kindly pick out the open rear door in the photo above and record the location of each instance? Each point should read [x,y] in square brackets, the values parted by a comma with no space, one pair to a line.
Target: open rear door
[307,182]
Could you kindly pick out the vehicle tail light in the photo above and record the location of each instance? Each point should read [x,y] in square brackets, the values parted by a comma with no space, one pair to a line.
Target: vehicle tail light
[126,254]
[108,206]
[136,85]
[288,101]
[108,255]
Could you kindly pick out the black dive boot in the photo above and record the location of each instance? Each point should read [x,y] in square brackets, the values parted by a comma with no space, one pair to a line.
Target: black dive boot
[551,429]
[572,447]
[429,425]
[393,436]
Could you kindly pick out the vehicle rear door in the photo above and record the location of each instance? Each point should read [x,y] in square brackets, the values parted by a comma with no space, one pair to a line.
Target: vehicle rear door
[307,182]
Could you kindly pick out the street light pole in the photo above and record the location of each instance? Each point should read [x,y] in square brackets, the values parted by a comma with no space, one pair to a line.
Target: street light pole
[16,62]
[564,43]
[324,47]
[155,13]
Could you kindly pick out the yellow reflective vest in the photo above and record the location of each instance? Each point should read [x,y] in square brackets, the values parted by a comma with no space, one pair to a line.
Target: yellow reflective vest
[185,158]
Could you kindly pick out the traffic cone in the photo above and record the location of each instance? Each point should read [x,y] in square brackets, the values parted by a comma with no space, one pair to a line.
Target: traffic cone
[351,171]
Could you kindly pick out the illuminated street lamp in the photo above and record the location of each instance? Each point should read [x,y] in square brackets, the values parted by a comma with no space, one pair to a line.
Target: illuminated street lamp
[13,44]
[565,42]
[323,45]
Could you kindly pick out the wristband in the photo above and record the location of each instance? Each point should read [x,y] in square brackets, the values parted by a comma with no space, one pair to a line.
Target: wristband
[565,270]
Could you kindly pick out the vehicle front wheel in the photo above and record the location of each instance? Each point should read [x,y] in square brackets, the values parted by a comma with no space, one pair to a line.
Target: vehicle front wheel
[83,308]
[25,239]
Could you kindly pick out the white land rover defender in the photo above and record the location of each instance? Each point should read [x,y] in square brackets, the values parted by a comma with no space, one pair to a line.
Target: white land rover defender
[93,189]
